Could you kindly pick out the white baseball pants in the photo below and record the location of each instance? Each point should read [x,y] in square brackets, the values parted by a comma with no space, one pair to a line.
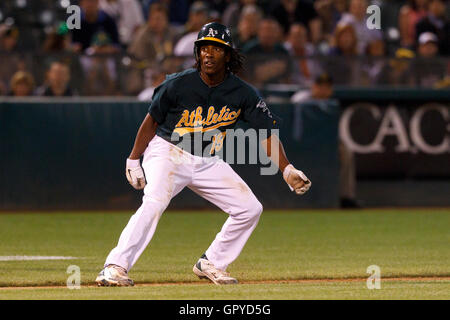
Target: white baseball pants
[168,170]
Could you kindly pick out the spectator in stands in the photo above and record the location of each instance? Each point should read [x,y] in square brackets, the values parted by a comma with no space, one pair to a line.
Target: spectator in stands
[410,14]
[11,59]
[343,53]
[248,23]
[268,40]
[95,23]
[428,45]
[157,77]
[428,70]
[397,72]
[127,14]
[357,18]
[345,41]
[155,40]
[8,42]
[100,71]
[436,22]
[178,10]
[57,39]
[22,84]
[233,12]
[57,81]
[198,16]
[376,48]
[287,12]
[301,52]
[330,12]
[374,62]
[268,60]
[98,38]
[9,36]
[321,96]
[57,46]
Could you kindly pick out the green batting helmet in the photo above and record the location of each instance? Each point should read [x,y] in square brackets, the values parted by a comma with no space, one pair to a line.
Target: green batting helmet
[214,32]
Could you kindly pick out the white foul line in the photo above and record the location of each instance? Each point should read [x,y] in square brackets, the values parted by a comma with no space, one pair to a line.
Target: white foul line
[29,258]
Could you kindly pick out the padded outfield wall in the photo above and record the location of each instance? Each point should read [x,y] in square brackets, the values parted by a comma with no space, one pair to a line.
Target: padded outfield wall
[70,154]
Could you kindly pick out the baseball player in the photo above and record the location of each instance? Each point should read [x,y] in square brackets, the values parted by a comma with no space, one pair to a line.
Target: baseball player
[197,101]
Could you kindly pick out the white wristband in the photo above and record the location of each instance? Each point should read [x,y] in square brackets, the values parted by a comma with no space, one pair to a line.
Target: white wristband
[286,171]
[133,163]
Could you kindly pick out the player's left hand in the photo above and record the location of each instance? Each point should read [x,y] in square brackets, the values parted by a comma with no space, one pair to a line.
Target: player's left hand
[135,174]
[296,180]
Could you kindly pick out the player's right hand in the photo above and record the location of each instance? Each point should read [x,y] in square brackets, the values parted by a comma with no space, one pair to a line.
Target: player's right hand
[135,174]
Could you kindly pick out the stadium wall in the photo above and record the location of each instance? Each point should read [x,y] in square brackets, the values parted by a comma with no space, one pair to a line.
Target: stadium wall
[70,154]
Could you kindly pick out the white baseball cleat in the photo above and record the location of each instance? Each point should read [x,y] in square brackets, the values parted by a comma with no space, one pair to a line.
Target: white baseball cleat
[204,269]
[113,275]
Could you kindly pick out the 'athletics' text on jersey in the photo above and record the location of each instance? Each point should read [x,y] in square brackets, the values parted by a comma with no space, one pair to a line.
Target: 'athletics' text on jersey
[185,105]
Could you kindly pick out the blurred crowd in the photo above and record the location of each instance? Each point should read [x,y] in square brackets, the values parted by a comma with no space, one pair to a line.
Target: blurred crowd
[126,47]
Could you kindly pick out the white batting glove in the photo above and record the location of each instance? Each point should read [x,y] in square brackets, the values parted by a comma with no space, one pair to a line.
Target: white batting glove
[135,174]
[296,180]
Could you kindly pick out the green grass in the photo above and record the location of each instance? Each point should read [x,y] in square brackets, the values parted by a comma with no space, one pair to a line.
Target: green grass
[285,245]
[338,291]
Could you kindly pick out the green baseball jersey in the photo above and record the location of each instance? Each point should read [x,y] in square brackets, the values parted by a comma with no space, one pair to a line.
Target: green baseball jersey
[185,106]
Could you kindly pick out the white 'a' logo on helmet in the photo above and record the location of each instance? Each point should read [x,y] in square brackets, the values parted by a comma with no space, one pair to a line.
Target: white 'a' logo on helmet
[211,32]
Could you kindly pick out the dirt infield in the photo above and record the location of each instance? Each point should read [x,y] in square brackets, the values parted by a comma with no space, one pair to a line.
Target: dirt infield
[296,281]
